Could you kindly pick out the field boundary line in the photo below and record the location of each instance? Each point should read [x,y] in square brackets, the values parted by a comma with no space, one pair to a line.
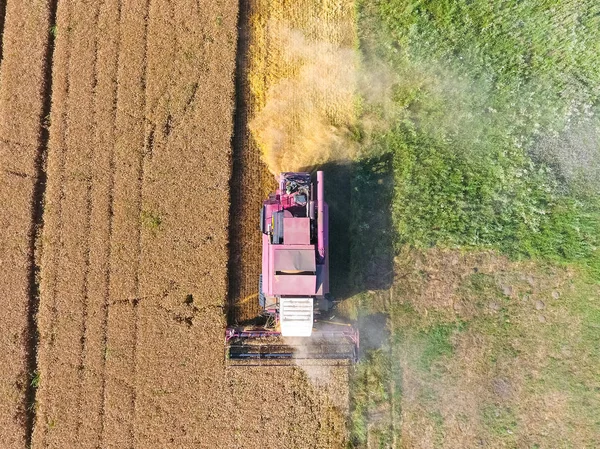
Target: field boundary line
[108,251]
[37,222]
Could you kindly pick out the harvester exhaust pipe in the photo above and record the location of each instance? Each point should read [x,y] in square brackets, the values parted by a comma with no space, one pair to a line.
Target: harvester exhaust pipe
[320,216]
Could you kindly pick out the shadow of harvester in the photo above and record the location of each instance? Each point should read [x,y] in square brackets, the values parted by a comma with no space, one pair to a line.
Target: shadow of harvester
[361,247]
[359,196]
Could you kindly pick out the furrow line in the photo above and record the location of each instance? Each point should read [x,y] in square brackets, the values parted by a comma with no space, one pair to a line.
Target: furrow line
[141,173]
[84,315]
[129,143]
[25,64]
[37,222]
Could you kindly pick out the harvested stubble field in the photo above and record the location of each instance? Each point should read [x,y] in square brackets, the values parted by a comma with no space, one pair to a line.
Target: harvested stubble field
[134,251]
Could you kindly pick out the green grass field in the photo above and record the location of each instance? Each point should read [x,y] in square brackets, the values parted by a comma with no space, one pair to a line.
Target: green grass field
[491,150]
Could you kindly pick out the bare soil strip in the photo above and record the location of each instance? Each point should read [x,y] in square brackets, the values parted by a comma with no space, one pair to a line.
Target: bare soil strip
[25,55]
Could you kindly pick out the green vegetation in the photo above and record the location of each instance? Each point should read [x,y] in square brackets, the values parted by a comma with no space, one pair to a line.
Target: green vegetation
[491,142]
[436,343]
[500,420]
[507,363]
[151,220]
[370,392]
[35,379]
[479,96]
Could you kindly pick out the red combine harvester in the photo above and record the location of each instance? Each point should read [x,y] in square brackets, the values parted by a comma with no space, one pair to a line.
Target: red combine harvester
[297,325]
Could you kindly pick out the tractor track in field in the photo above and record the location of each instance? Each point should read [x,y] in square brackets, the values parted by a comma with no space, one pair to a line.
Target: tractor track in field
[61,171]
[141,171]
[108,248]
[37,217]
[59,212]
[88,226]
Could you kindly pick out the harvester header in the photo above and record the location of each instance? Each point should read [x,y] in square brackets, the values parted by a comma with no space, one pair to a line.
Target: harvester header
[293,290]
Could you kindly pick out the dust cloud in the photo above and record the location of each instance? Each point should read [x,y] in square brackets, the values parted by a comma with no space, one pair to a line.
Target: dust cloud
[310,114]
[574,153]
